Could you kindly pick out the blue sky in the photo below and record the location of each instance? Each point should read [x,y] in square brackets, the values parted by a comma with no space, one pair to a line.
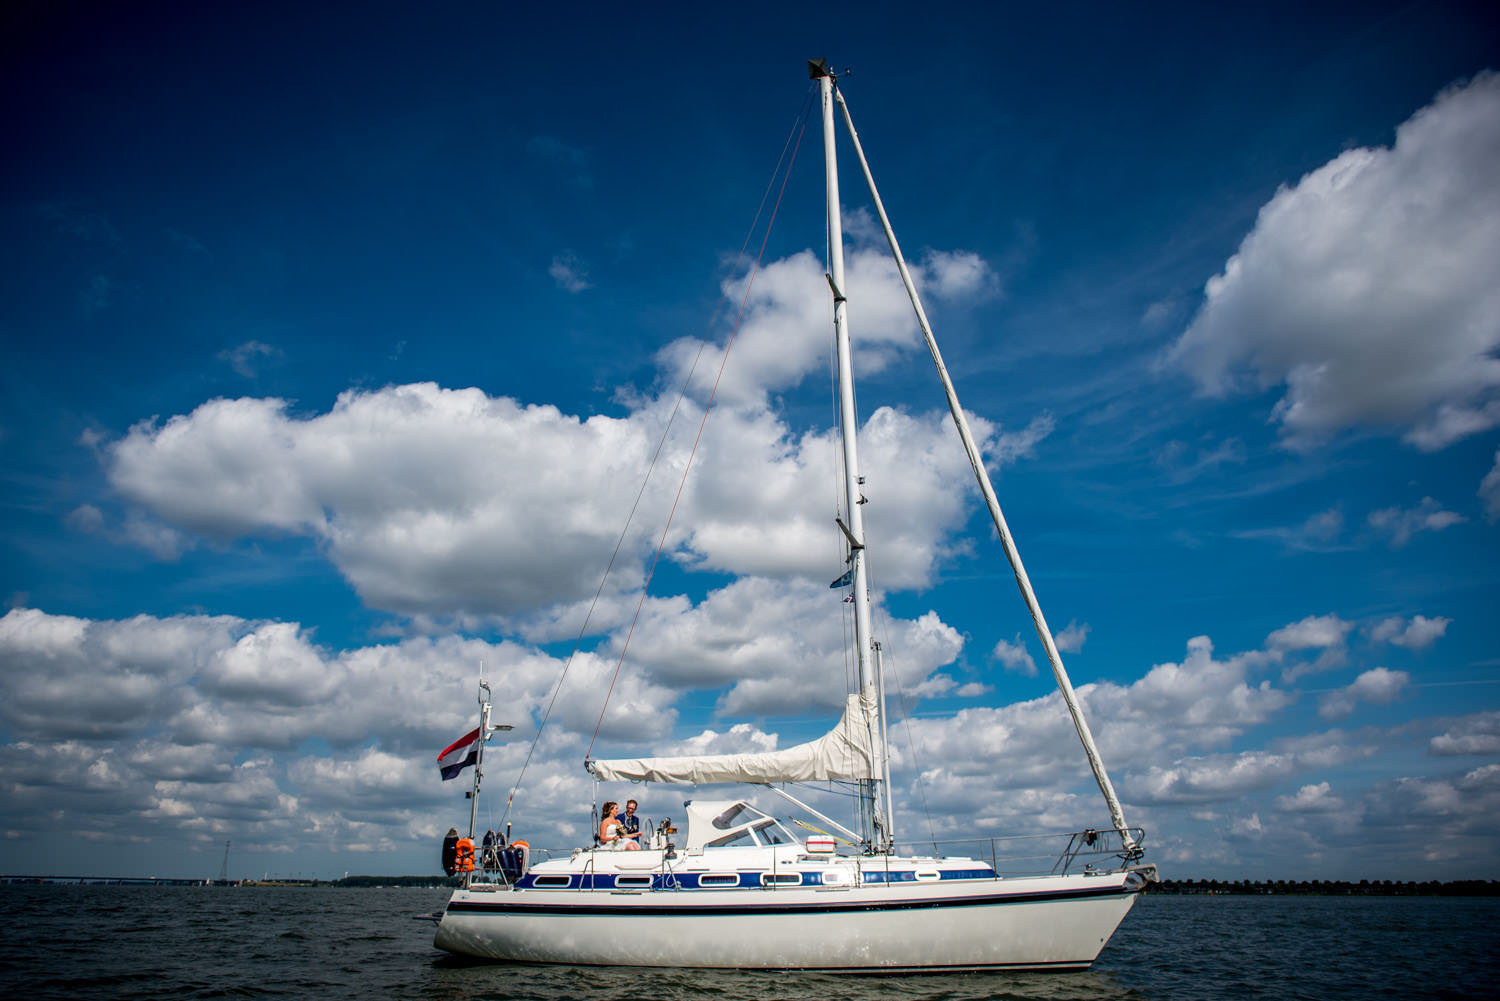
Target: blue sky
[337,343]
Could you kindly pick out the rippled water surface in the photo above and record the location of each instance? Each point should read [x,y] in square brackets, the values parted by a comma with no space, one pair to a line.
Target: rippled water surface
[104,942]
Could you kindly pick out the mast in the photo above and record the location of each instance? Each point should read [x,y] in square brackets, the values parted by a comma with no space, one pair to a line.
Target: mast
[1012,554]
[874,823]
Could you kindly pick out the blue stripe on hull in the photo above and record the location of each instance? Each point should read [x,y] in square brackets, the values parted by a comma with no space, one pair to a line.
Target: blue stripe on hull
[748,880]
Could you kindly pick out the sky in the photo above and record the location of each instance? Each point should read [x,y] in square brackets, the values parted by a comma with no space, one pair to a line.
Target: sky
[338,343]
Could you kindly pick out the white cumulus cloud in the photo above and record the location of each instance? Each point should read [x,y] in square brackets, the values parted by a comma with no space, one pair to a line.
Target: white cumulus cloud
[777,647]
[1072,637]
[1316,798]
[452,503]
[1419,633]
[787,324]
[1476,734]
[452,506]
[1325,633]
[1313,632]
[1378,685]
[1222,776]
[1370,288]
[1013,656]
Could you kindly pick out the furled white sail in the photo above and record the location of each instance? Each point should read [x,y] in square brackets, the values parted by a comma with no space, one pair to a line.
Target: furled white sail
[845,752]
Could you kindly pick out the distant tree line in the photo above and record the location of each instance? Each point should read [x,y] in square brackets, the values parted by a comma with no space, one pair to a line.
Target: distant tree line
[1308,887]
[426,881]
[1334,887]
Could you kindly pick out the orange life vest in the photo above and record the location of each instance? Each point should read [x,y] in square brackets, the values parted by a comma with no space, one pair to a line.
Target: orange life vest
[463,856]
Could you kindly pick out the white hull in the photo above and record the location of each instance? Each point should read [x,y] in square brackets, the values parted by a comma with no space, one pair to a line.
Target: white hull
[1049,922]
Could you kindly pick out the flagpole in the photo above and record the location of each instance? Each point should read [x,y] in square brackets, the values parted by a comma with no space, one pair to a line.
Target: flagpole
[484,722]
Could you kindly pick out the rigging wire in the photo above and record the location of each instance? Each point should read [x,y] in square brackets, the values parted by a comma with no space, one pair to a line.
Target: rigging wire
[707,409]
[877,609]
[799,124]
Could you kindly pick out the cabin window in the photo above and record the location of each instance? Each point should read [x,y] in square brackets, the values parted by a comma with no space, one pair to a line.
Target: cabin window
[725,820]
[744,836]
[835,877]
[719,879]
[543,882]
[629,881]
[773,834]
[927,875]
[781,879]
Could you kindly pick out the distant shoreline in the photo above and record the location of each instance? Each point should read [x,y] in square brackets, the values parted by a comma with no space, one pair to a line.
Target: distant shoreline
[1205,887]
[430,882]
[1331,887]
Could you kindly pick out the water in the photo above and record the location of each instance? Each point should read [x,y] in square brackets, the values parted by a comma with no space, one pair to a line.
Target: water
[105,942]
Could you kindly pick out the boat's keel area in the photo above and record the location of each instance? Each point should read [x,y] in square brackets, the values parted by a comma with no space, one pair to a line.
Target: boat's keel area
[841,914]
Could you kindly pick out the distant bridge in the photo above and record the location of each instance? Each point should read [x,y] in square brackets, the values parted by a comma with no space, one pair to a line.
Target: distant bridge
[116,880]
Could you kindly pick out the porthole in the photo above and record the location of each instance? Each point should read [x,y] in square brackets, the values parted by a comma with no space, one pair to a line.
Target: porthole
[719,879]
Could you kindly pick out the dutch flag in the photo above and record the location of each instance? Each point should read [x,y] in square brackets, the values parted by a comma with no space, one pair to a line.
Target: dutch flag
[459,755]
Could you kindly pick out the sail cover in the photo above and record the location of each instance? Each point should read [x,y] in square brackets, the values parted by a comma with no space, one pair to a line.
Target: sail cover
[845,752]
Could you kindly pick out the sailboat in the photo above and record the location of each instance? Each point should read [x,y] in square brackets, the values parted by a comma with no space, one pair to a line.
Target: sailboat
[742,889]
